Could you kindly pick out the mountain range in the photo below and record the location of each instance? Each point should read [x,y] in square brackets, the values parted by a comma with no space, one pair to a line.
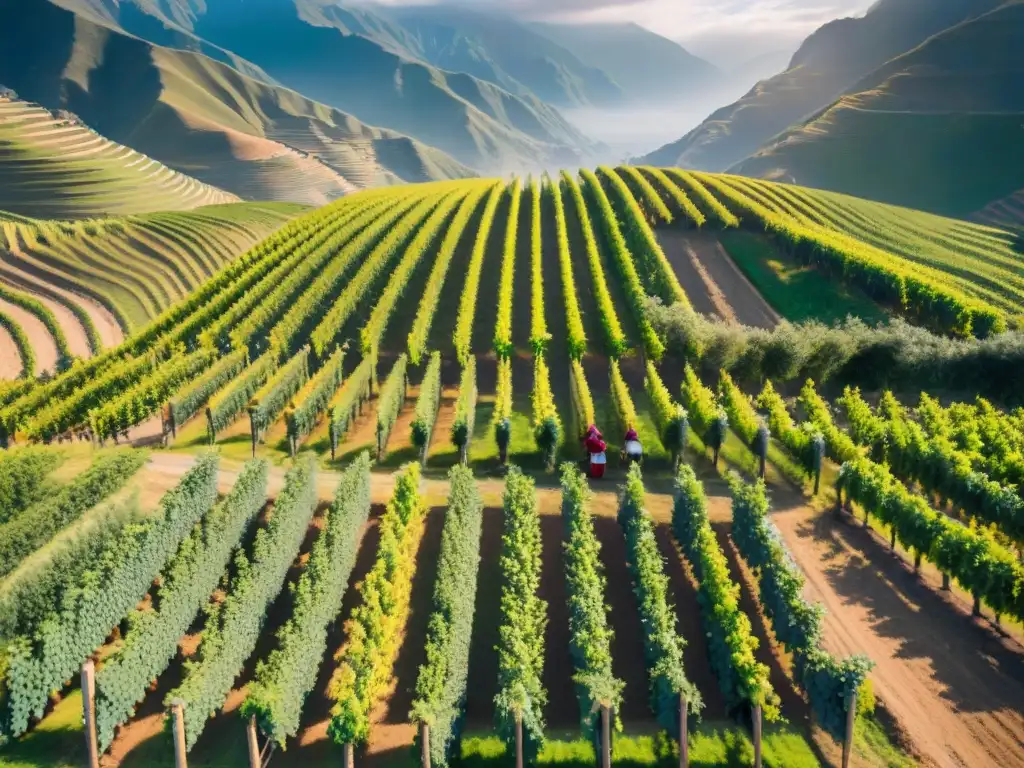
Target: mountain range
[916,103]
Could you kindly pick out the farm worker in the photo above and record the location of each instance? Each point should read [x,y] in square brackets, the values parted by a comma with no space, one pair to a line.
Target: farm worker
[592,431]
[596,447]
[631,445]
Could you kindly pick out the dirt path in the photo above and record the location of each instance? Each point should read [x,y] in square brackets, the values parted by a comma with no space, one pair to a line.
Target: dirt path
[10,361]
[483,653]
[38,336]
[712,281]
[73,330]
[111,334]
[951,683]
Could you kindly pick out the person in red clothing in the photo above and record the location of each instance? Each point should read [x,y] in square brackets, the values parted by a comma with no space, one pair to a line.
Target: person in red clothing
[596,447]
[631,446]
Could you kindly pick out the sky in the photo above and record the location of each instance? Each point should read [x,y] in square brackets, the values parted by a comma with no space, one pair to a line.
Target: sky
[726,32]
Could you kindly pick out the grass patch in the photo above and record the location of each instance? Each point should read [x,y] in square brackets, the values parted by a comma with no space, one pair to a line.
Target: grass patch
[712,745]
[795,291]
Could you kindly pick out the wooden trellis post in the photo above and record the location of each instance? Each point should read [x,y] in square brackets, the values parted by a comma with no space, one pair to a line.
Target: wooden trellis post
[348,755]
[178,724]
[519,740]
[89,713]
[757,735]
[851,719]
[425,745]
[684,746]
[606,736]
[252,736]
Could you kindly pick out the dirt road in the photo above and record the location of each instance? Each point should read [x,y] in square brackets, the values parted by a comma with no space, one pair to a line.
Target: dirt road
[954,686]
[712,281]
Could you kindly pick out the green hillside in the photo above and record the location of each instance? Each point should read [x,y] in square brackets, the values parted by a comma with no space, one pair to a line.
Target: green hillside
[102,279]
[829,62]
[55,167]
[200,116]
[939,128]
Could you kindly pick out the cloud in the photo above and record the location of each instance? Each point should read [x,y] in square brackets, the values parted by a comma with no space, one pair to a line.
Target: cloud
[724,29]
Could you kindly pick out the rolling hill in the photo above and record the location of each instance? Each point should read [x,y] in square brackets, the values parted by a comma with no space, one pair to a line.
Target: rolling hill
[829,62]
[54,167]
[200,116]
[296,43]
[939,128]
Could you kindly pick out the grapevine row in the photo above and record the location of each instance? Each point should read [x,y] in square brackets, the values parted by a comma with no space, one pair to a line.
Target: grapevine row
[375,630]
[521,695]
[669,416]
[582,399]
[374,265]
[25,351]
[687,183]
[615,339]
[390,402]
[742,679]
[465,410]
[231,401]
[441,684]
[354,392]
[26,531]
[623,261]
[234,623]
[576,339]
[310,402]
[271,399]
[590,634]
[463,337]
[828,682]
[503,326]
[912,290]
[547,426]
[629,174]
[52,645]
[189,399]
[427,404]
[637,233]
[421,326]
[45,315]
[690,211]
[663,645]
[539,336]
[625,411]
[283,680]
[185,585]
[427,233]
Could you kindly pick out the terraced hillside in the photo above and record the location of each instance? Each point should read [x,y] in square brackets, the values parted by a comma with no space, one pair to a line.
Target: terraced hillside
[200,116]
[485,322]
[77,288]
[57,168]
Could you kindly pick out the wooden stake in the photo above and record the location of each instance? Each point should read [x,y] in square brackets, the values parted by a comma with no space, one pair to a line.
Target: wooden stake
[684,747]
[89,712]
[348,756]
[851,719]
[757,736]
[945,582]
[606,737]
[425,745]
[519,740]
[178,717]
[252,735]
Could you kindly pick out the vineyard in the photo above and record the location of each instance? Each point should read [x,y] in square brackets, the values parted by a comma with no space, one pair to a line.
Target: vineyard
[362,532]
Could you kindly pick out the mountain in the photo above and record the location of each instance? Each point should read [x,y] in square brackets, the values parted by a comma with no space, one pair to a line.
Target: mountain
[939,128]
[200,116]
[829,62]
[646,66]
[495,48]
[319,49]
